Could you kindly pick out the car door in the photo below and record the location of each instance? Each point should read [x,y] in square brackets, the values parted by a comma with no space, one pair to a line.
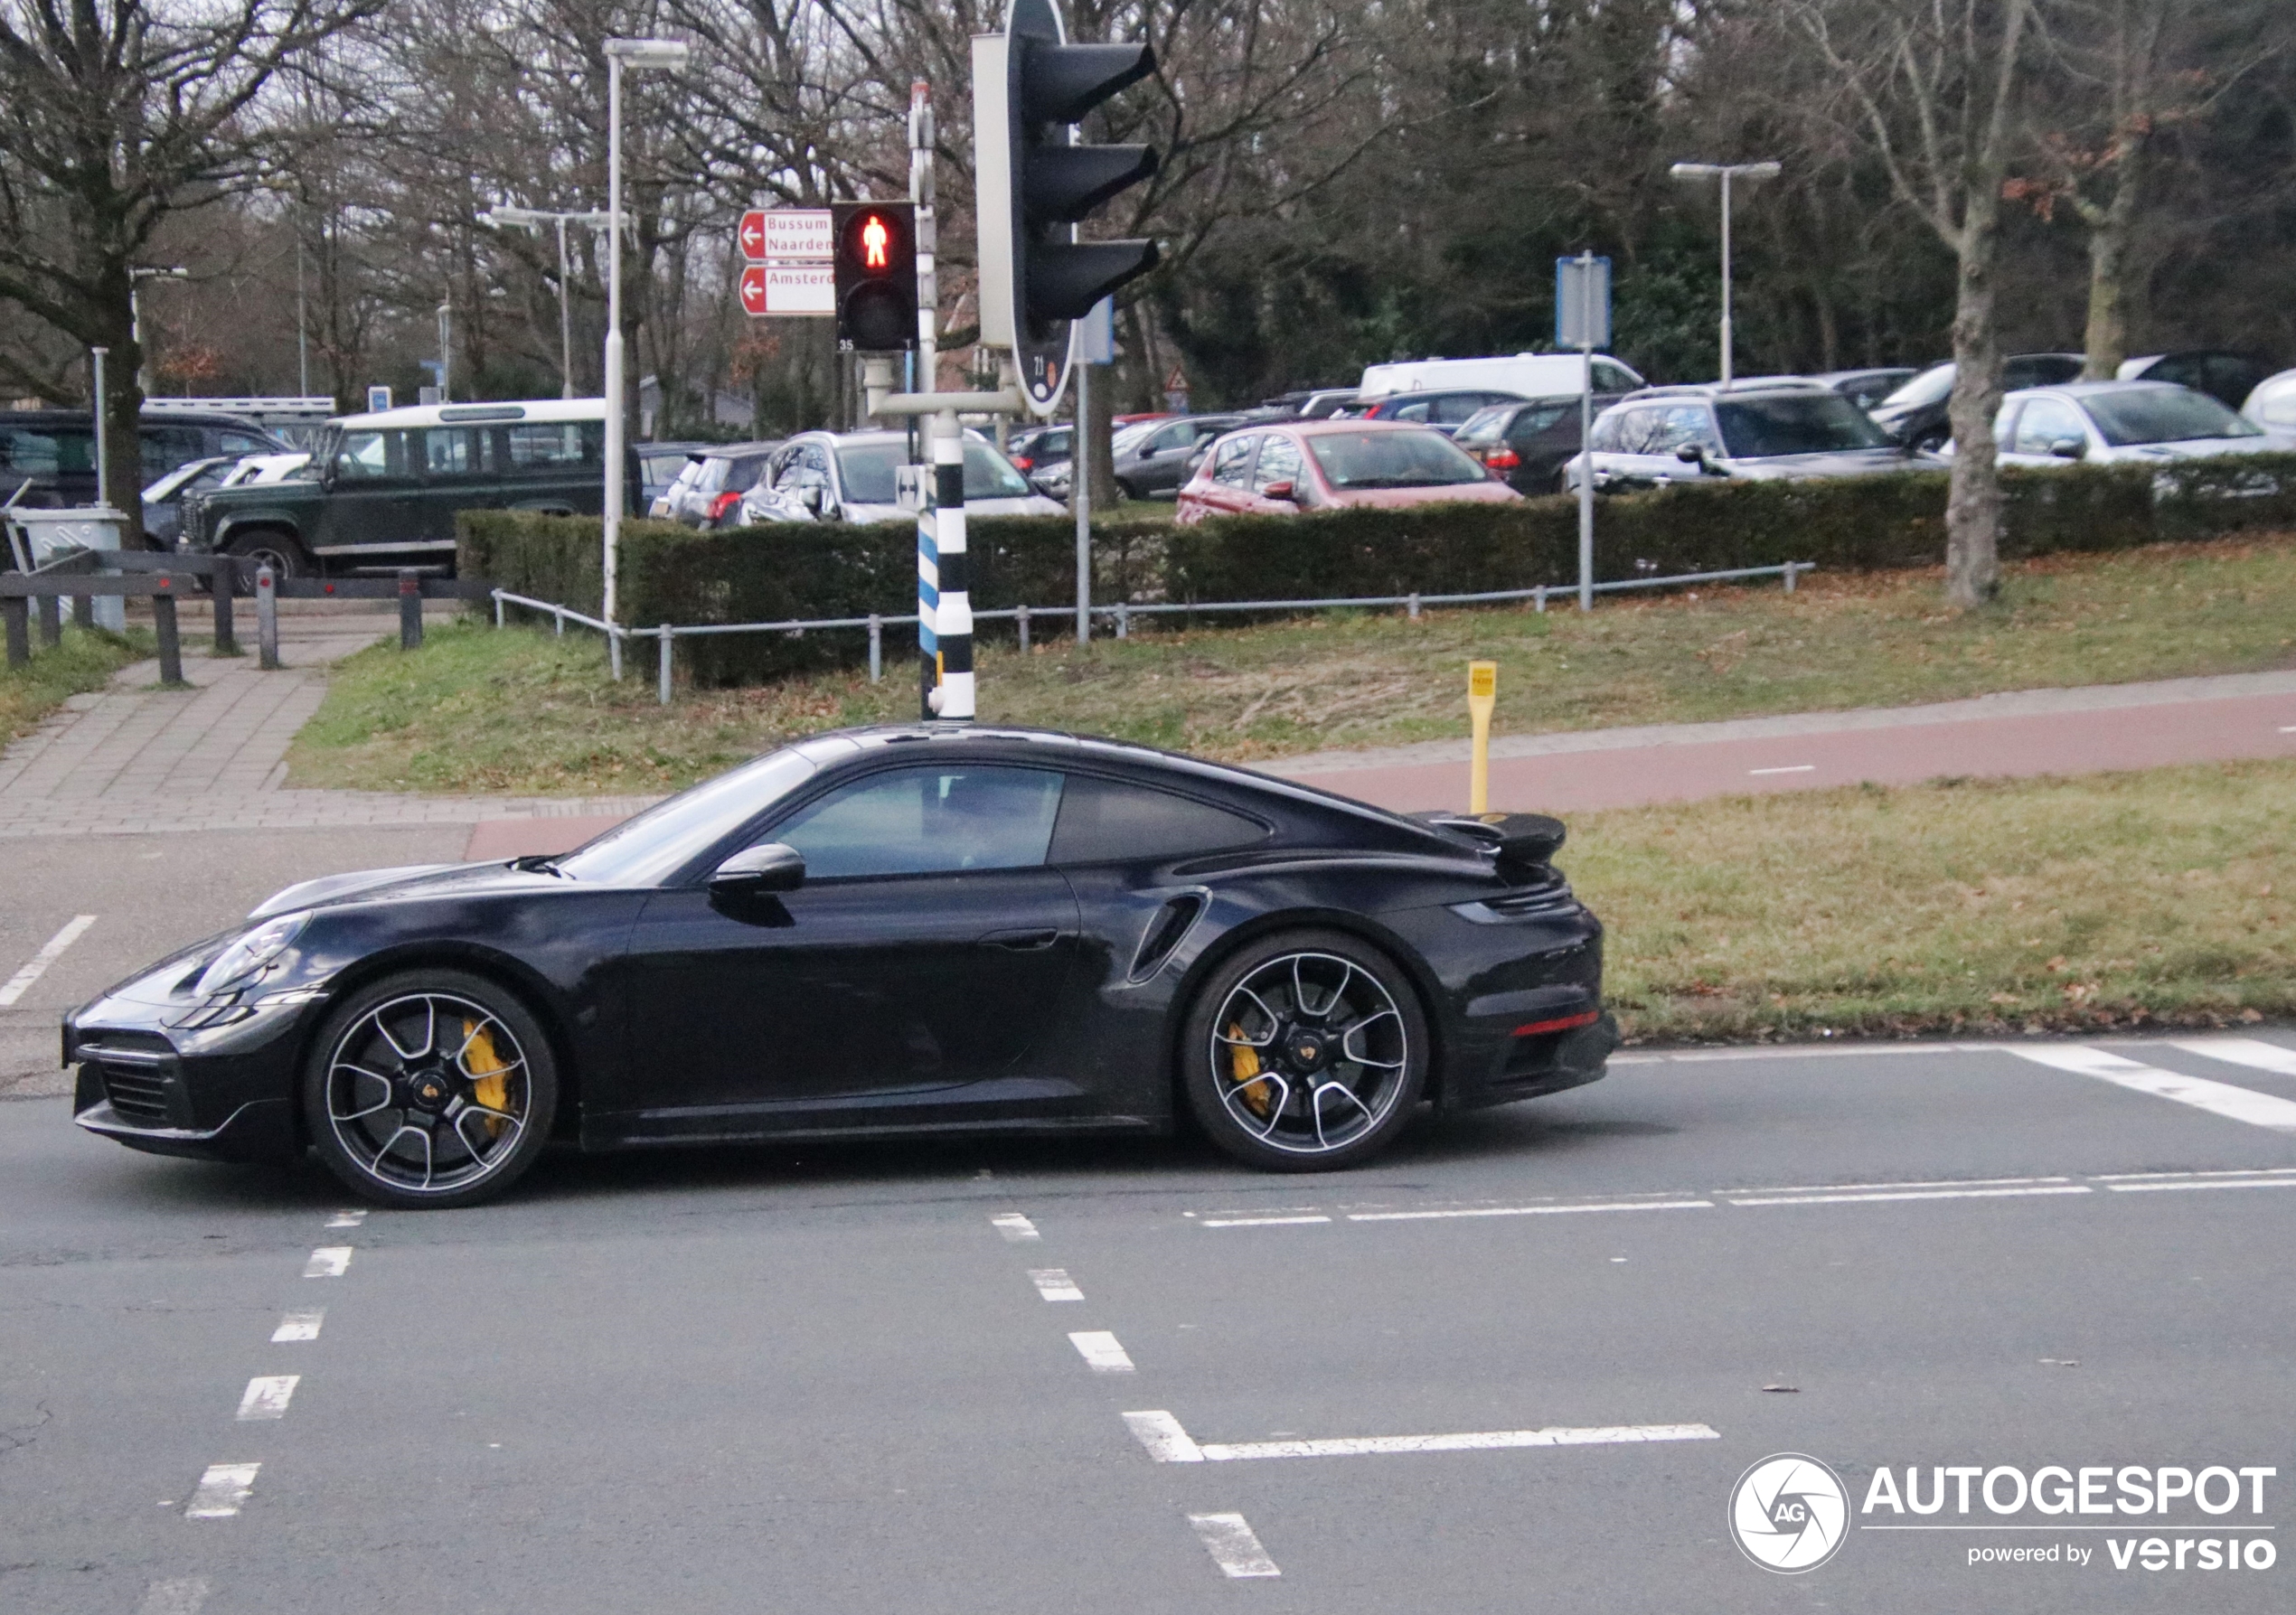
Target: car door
[1163,464]
[1280,484]
[370,501]
[458,474]
[554,466]
[1229,489]
[2040,426]
[922,956]
[1543,436]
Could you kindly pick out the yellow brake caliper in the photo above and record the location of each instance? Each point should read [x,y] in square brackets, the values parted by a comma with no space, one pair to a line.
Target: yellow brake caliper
[1243,1066]
[491,1087]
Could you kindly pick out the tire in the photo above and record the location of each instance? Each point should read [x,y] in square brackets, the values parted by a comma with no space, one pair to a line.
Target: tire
[1244,1031]
[280,551]
[391,1067]
[1124,490]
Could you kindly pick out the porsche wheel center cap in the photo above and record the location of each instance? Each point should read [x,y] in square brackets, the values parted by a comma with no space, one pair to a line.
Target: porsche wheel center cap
[427,1089]
[1308,1051]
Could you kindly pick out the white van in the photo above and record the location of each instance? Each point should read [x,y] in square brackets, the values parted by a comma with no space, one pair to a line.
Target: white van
[1532,375]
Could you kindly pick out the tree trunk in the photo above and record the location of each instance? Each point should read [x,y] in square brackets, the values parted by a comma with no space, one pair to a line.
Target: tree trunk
[1095,431]
[2110,233]
[1974,505]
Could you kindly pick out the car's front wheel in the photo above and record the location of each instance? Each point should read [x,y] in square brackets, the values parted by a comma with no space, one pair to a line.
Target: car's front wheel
[275,550]
[430,1088]
[1307,1050]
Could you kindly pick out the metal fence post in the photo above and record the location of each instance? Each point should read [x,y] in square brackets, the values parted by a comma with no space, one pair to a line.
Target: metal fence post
[666,664]
[410,609]
[498,608]
[1539,598]
[171,647]
[51,625]
[1412,605]
[1123,620]
[876,648]
[17,610]
[1024,630]
[1789,577]
[83,611]
[222,583]
[266,619]
[558,622]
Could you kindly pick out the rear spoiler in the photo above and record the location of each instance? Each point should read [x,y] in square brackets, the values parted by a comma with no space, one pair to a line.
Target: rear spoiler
[1521,841]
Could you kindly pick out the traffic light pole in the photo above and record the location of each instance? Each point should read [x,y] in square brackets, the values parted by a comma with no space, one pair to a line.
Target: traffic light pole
[929,298]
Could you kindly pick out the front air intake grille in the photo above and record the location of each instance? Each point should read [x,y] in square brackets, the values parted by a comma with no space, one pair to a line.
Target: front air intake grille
[139,1093]
[137,1070]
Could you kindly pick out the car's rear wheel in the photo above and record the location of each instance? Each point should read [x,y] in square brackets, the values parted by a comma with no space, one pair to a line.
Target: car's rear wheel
[277,550]
[430,1088]
[1306,1051]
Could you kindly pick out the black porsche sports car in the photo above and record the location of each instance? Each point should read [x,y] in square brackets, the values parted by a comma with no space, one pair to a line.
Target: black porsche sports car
[916,929]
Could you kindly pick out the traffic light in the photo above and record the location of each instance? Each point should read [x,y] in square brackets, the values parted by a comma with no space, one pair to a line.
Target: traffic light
[876,275]
[1033,181]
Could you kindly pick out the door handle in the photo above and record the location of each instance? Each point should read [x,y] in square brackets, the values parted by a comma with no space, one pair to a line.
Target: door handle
[1021,942]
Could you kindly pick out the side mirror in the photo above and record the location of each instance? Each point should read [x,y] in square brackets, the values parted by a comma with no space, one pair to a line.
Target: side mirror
[775,867]
[1692,453]
[1284,490]
[2069,449]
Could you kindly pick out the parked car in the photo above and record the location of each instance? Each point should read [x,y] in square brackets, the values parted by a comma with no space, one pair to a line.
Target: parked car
[1914,414]
[1039,446]
[1314,403]
[1153,459]
[54,451]
[2272,403]
[662,464]
[713,494]
[855,477]
[2108,422]
[1329,465]
[658,506]
[1867,388]
[1791,429]
[1525,375]
[386,487]
[2227,376]
[254,470]
[1527,443]
[163,500]
[1445,410]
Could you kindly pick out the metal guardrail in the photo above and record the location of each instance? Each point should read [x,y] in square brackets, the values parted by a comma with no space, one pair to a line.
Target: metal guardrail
[1122,612]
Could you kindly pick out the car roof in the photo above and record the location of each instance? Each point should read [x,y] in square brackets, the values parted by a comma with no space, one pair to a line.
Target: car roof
[1713,390]
[2089,389]
[543,410]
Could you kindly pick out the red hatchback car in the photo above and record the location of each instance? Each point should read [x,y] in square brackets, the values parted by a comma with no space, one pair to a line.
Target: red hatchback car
[1329,465]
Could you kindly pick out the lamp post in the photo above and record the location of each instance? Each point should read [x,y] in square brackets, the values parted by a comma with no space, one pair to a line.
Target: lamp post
[1726,173]
[506,217]
[136,278]
[668,55]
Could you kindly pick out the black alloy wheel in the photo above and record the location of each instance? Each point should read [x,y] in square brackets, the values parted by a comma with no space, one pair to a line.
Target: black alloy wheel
[275,550]
[1306,1051]
[430,1088]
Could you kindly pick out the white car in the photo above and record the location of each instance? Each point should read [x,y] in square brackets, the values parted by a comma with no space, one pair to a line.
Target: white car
[256,469]
[2273,404]
[853,476]
[2105,423]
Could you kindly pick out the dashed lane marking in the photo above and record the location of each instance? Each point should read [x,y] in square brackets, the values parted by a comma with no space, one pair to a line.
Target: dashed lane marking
[1167,1442]
[1415,1217]
[329,1261]
[1791,768]
[1233,1545]
[2243,1051]
[49,951]
[2143,1183]
[1914,1194]
[2221,1099]
[268,1396]
[348,1219]
[1054,1284]
[1016,1228]
[221,1491]
[182,1596]
[1261,1222]
[1102,1350]
[300,1325]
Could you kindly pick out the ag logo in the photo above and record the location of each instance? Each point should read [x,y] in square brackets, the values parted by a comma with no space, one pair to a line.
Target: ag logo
[1789,1513]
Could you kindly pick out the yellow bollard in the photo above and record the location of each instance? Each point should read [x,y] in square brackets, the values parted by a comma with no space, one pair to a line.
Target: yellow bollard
[1483,695]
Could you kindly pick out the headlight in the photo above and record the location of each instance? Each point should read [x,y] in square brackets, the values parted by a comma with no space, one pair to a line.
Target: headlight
[250,952]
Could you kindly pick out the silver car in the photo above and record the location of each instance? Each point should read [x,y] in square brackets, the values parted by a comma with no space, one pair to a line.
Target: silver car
[1772,429]
[2111,422]
[855,477]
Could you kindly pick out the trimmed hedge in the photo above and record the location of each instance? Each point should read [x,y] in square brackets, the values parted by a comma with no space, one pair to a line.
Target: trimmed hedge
[785,573]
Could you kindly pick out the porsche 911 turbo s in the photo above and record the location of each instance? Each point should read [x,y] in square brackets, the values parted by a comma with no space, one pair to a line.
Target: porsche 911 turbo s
[898,930]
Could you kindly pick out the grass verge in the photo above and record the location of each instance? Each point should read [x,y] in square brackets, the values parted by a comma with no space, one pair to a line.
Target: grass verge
[523,711]
[2111,901]
[86,661]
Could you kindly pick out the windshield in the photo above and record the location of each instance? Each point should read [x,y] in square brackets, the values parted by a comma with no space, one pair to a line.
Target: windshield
[1928,388]
[868,469]
[2163,414]
[1803,423]
[649,848]
[1392,460]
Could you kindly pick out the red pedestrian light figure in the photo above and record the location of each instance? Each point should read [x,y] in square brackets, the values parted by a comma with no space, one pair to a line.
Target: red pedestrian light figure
[874,235]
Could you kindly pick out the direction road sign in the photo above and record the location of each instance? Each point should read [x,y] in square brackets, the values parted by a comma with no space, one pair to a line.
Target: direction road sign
[785,236]
[753,235]
[788,289]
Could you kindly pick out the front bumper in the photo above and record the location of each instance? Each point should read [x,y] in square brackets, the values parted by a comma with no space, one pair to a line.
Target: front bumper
[220,1091]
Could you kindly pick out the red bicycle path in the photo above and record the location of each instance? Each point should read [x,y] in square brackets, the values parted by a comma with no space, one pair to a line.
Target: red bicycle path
[2087,729]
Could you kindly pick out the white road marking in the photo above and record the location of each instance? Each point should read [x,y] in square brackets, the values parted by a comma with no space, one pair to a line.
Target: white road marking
[348,1219]
[327,1261]
[1054,1284]
[266,1397]
[1795,768]
[1232,1545]
[1913,1193]
[1415,1217]
[2243,1051]
[1102,1350]
[2222,1099]
[221,1491]
[1167,1442]
[1843,1188]
[1015,1227]
[182,1597]
[2287,728]
[301,1325]
[2280,1179]
[1260,1222]
[51,951]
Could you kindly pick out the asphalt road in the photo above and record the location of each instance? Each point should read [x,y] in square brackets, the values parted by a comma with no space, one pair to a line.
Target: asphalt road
[844,1380]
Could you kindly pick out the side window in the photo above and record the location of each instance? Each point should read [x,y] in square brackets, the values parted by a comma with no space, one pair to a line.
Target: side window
[1539,417]
[741,475]
[1233,463]
[1612,378]
[928,820]
[1642,432]
[239,443]
[1279,462]
[365,455]
[2045,421]
[455,451]
[1182,435]
[542,446]
[1610,432]
[166,447]
[1102,821]
[1685,423]
[1413,412]
[1455,408]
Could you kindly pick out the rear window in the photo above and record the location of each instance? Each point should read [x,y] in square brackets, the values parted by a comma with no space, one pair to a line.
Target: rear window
[2164,415]
[535,446]
[46,451]
[1373,459]
[1796,424]
[868,473]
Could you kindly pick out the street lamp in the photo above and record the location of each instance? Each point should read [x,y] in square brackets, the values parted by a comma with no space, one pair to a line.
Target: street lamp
[668,55]
[136,278]
[1726,173]
[506,217]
